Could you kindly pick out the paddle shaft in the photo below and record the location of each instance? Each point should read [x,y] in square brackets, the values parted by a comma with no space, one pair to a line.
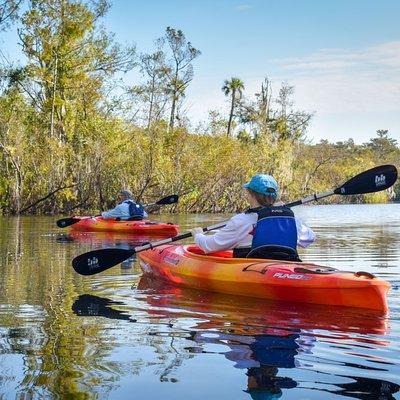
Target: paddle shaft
[313,197]
[175,238]
[305,200]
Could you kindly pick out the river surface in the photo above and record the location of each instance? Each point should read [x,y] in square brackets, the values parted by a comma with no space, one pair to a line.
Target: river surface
[117,336]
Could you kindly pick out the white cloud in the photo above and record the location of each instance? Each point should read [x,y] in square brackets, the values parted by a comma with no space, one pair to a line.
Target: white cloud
[352,92]
[345,81]
[385,55]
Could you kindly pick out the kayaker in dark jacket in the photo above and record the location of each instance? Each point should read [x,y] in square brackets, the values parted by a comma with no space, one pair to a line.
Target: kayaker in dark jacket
[126,209]
[264,228]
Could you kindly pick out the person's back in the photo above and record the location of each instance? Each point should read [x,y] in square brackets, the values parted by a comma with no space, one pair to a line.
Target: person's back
[272,229]
[127,209]
[275,234]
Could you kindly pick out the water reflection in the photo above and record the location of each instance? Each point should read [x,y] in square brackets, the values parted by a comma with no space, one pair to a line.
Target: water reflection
[107,240]
[104,239]
[264,339]
[242,314]
[87,305]
[367,388]
[261,356]
[57,342]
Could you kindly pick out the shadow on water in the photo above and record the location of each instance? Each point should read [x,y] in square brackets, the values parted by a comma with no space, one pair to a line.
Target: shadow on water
[264,339]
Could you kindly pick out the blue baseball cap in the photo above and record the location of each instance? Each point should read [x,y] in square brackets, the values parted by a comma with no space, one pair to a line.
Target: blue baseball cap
[264,184]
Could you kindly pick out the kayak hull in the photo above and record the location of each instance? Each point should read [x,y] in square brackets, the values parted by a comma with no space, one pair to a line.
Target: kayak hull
[268,279]
[145,227]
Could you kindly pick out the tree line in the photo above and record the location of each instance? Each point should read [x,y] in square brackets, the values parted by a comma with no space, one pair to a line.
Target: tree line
[73,133]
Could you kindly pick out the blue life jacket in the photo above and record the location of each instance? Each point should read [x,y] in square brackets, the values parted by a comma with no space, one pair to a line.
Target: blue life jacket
[136,211]
[275,234]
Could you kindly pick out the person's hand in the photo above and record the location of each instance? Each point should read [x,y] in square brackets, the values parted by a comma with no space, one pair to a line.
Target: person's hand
[196,231]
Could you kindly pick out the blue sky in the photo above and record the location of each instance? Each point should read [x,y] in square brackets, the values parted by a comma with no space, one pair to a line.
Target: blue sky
[342,56]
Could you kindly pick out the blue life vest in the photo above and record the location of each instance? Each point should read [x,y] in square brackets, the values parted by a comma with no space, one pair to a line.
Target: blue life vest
[275,234]
[136,211]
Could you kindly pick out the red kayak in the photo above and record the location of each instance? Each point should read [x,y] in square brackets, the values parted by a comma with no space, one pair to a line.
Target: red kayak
[143,227]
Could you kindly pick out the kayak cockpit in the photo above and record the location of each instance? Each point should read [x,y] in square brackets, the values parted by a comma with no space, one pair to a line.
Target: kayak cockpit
[199,251]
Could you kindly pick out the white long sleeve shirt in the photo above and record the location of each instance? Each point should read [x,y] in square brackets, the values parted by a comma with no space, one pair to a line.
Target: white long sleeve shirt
[237,233]
[120,211]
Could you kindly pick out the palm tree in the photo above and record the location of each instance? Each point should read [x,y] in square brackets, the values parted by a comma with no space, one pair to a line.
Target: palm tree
[234,87]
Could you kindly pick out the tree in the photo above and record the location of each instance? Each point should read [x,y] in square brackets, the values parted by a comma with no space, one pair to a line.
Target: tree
[64,129]
[274,124]
[233,87]
[68,62]
[258,113]
[154,67]
[289,124]
[181,69]
[382,145]
[8,12]
[13,147]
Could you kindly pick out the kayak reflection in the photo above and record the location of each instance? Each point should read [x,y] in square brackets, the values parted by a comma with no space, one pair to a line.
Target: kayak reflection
[105,239]
[265,339]
[246,315]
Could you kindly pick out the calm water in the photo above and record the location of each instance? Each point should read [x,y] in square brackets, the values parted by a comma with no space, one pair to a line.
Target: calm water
[117,336]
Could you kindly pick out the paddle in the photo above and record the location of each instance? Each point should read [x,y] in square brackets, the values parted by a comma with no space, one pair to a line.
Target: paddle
[373,180]
[64,222]
[173,198]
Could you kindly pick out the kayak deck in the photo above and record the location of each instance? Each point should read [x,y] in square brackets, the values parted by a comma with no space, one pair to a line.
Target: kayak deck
[99,224]
[188,266]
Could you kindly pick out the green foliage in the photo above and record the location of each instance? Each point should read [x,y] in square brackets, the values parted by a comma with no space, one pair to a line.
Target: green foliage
[233,88]
[69,141]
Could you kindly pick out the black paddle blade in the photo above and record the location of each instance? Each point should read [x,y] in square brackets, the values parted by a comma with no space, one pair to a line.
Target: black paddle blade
[64,222]
[97,261]
[373,180]
[168,200]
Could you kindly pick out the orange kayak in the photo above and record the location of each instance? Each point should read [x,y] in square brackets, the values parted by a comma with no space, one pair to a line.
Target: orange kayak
[145,227]
[188,266]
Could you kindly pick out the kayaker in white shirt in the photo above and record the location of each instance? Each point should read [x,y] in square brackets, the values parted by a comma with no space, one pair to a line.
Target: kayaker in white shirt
[238,234]
[126,209]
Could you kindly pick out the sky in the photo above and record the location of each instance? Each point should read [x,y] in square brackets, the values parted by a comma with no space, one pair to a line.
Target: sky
[342,56]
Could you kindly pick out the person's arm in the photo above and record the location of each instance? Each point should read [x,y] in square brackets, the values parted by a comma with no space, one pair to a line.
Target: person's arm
[117,212]
[305,235]
[224,239]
